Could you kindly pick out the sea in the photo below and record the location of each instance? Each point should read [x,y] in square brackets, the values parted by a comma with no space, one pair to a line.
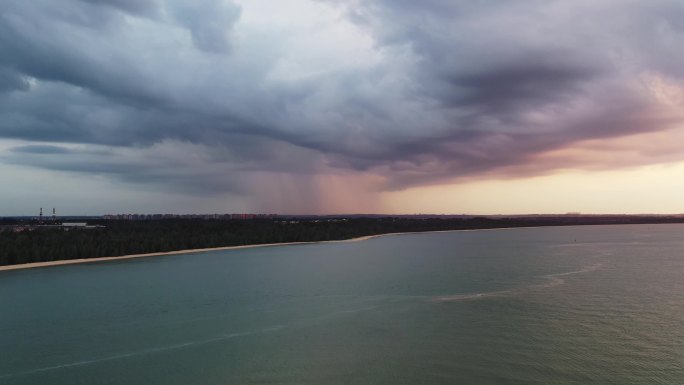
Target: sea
[555,305]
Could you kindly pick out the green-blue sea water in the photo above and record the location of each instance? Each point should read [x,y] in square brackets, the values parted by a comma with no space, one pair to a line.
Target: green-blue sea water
[566,305]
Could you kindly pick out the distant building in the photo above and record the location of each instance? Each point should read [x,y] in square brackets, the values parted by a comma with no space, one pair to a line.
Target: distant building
[148,217]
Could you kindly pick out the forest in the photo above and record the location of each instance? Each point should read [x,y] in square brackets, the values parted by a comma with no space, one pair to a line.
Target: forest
[120,237]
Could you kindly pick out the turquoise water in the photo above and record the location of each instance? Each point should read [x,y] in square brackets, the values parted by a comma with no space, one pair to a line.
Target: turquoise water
[571,305]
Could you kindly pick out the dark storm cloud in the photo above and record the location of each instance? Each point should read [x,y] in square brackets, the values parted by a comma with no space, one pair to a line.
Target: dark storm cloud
[64,60]
[528,84]
[186,94]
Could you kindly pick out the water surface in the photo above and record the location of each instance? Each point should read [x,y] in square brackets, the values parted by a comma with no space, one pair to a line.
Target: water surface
[569,305]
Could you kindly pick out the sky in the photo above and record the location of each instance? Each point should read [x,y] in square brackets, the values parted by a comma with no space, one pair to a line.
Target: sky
[341,106]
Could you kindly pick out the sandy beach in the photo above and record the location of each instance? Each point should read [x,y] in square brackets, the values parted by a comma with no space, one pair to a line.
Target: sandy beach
[189,251]
[194,251]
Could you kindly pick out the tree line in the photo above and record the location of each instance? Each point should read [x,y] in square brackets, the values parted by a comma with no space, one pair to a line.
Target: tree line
[119,238]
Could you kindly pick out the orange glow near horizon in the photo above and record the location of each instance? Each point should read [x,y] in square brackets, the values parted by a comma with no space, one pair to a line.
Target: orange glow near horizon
[650,189]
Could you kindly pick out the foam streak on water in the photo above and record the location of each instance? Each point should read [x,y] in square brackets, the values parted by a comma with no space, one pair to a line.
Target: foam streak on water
[144,352]
[553,281]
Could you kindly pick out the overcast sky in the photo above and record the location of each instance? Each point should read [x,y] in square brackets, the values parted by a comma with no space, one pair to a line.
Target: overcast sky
[333,106]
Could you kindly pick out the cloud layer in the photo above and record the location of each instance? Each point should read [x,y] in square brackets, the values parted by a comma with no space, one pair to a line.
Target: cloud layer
[217,97]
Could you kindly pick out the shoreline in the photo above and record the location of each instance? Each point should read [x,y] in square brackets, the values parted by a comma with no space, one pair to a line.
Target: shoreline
[63,262]
[34,265]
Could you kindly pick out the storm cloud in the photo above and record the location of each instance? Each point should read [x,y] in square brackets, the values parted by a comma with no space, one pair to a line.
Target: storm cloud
[219,96]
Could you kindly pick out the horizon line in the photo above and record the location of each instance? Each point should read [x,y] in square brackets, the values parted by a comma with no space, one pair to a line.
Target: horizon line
[257,214]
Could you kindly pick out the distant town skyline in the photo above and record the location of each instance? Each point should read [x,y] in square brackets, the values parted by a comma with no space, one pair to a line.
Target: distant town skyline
[336,107]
